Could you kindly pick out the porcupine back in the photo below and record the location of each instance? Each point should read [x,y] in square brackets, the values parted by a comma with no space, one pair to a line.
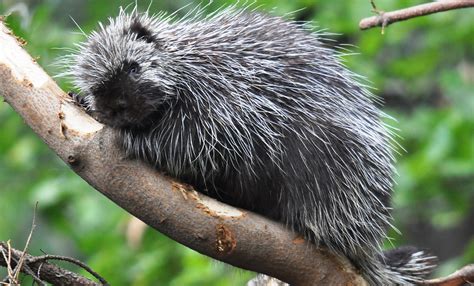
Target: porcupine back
[256,111]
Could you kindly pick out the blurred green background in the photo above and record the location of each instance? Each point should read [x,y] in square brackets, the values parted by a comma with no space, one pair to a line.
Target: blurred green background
[422,68]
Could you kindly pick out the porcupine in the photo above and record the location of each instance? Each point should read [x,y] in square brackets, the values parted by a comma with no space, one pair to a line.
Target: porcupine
[256,111]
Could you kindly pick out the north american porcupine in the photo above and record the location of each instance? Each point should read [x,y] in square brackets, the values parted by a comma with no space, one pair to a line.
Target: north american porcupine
[254,110]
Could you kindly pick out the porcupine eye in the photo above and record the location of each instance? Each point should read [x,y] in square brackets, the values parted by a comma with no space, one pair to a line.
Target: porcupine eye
[133,69]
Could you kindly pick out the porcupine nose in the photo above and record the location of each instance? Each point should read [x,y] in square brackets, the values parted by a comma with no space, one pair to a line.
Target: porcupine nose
[121,104]
[115,108]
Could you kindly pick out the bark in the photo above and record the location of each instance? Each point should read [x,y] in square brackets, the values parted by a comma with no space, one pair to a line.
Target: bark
[44,271]
[463,276]
[232,235]
[383,19]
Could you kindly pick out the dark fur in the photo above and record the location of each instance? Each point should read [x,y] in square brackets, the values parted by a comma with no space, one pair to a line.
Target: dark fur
[257,112]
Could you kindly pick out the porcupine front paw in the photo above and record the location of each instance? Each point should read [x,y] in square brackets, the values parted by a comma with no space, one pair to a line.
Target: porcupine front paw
[78,100]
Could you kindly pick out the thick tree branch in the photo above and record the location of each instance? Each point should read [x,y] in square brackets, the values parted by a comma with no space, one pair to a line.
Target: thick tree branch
[383,19]
[235,236]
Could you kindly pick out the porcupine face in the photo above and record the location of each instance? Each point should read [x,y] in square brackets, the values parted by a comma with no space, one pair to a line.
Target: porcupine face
[117,70]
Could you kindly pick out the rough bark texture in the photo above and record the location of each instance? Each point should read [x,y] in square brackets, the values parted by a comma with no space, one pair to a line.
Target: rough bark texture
[45,271]
[234,236]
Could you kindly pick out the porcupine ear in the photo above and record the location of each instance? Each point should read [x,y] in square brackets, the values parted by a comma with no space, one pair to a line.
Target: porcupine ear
[142,32]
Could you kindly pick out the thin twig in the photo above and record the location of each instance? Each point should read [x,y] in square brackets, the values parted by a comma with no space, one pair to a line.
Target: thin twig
[7,259]
[46,272]
[383,19]
[70,260]
[12,278]
[26,268]
[25,262]
[22,257]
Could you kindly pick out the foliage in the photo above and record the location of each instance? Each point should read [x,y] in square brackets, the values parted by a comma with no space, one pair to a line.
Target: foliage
[422,68]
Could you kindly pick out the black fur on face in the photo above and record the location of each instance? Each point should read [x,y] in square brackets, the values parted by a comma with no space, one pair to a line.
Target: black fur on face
[124,99]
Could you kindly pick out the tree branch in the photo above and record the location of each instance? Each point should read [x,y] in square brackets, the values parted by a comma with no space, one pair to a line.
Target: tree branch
[232,235]
[461,277]
[383,19]
[42,270]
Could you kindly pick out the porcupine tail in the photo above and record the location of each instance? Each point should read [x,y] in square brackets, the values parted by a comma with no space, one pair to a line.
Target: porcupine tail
[408,265]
